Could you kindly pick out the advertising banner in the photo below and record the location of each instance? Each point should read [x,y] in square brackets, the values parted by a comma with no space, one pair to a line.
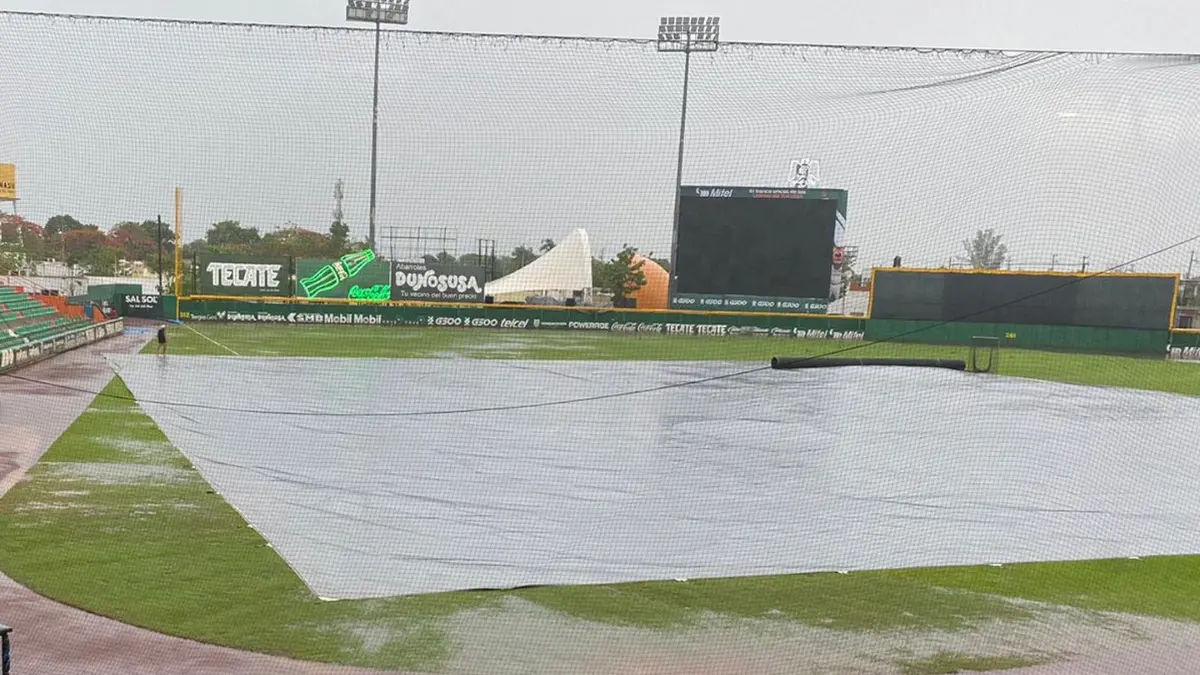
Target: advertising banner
[8,182]
[749,303]
[142,306]
[354,276]
[432,282]
[499,317]
[1184,346]
[243,275]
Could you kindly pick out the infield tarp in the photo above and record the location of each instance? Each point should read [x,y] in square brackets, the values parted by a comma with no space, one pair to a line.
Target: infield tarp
[767,473]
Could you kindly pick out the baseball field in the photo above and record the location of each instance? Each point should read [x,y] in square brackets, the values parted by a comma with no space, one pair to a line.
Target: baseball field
[136,532]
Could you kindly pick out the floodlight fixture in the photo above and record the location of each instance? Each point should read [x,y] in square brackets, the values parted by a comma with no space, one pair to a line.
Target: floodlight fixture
[378,11]
[689,33]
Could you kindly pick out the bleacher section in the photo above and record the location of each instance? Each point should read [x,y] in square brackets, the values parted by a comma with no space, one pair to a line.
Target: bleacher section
[24,319]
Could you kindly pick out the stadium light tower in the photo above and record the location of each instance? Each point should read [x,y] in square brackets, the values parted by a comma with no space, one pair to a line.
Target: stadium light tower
[377,12]
[685,34]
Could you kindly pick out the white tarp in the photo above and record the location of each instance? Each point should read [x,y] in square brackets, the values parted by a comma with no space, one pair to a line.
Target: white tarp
[563,269]
[764,473]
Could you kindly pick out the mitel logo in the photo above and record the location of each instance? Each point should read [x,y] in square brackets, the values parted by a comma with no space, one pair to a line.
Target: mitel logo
[715,192]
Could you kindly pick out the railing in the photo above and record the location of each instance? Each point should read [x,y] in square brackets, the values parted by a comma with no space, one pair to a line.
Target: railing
[22,355]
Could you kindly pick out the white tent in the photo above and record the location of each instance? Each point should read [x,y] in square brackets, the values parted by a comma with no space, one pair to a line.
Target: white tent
[561,271]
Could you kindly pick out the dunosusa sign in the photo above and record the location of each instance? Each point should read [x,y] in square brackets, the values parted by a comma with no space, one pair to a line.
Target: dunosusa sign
[436,283]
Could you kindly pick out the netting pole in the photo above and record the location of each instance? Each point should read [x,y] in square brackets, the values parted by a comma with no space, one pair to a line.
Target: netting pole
[374,135]
[671,287]
[178,244]
[161,289]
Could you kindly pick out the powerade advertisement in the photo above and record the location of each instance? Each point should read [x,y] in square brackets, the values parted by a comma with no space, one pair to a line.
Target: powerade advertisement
[431,282]
[354,276]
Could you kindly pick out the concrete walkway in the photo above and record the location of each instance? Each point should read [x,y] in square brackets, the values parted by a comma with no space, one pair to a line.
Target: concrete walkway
[50,638]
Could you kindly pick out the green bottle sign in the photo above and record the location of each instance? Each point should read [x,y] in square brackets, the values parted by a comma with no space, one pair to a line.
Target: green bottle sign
[333,274]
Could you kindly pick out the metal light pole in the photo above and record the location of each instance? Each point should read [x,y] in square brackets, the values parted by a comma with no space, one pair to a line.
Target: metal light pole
[160,284]
[685,34]
[377,12]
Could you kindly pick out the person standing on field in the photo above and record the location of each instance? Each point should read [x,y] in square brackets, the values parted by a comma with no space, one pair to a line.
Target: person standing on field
[162,340]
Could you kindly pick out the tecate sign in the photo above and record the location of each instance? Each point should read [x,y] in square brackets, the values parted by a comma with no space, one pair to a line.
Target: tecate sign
[244,275]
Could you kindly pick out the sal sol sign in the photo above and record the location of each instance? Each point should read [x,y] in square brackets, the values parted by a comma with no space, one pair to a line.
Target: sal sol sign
[432,282]
[142,306]
[237,275]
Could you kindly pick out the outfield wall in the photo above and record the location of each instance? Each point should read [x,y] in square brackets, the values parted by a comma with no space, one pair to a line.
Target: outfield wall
[1073,338]
[526,318]
[1185,345]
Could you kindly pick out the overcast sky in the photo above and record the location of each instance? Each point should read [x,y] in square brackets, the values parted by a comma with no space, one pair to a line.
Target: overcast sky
[519,140]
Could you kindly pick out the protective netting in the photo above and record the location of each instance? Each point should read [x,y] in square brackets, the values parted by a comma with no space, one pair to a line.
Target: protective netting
[521,139]
[227,488]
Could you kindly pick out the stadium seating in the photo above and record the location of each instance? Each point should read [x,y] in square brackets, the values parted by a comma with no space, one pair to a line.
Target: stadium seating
[23,319]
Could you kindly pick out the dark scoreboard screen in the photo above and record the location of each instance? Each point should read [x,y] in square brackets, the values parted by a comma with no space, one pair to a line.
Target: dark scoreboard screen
[751,242]
[1101,301]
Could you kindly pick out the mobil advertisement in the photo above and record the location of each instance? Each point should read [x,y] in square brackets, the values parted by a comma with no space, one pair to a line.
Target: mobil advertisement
[432,282]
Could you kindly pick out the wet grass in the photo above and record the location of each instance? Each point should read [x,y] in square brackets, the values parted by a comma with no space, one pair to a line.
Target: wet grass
[389,342]
[152,545]
[139,536]
[1162,586]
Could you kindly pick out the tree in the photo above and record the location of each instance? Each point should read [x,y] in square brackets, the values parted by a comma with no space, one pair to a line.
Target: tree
[472,260]
[621,276]
[79,246]
[150,227]
[986,251]
[22,237]
[134,242]
[850,272]
[442,258]
[228,236]
[339,237]
[297,242]
[62,224]
[102,262]
[10,262]
[547,245]
[520,257]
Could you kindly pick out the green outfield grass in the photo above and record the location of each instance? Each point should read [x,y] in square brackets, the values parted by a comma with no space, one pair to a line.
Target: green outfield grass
[386,342]
[114,520]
